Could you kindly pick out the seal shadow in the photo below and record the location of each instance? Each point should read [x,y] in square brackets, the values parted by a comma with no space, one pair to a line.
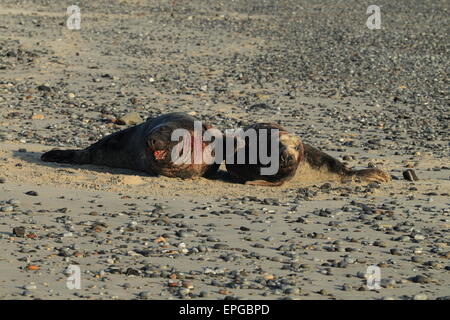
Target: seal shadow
[35,158]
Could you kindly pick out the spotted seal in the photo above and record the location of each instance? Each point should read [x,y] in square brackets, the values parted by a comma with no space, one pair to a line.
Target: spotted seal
[292,154]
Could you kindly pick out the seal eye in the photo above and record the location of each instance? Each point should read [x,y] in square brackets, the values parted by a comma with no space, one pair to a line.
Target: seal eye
[155,144]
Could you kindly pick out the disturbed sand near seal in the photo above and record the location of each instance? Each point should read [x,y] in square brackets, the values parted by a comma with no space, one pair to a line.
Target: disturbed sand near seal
[140,237]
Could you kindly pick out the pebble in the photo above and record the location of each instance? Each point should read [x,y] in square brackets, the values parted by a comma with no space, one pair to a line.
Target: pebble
[420,279]
[395,252]
[375,119]
[221,246]
[419,237]
[145,295]
[19,232]
[130,118]
[410,175]
[30,287]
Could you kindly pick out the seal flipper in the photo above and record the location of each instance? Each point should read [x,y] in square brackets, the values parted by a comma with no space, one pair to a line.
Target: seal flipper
[63,156]
[114,150]
[372,174]
[318,160]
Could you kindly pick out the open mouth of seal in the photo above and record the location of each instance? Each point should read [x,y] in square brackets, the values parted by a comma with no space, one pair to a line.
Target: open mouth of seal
[160,154]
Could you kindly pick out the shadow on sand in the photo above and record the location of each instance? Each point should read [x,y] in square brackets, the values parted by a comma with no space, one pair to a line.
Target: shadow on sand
[35,158]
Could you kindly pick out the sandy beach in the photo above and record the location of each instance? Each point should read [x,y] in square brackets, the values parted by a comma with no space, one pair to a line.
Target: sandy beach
[370,98]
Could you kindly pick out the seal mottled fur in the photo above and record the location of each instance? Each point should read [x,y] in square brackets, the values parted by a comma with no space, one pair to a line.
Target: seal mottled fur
[293,154]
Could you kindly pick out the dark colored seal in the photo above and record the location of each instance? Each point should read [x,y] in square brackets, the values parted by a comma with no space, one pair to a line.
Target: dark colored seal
[147,147]
[292,155]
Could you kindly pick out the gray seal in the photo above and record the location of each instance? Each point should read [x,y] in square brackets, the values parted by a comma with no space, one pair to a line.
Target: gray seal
[145,147]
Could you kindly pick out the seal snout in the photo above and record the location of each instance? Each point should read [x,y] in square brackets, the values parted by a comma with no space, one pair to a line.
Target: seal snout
[156,144]
[158,147]
[291,150]
[287,159]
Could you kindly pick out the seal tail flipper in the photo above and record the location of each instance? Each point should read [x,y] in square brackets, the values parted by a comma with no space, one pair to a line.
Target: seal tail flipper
[372,175]
[61,156]
[318,160]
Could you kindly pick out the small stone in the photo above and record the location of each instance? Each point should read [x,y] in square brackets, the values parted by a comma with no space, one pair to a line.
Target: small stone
[31,193]
[420,279]
[291,291]
[37,117]
[395,252]
[132,272]
[145,294]
[14,202]
[323,292]
[19,232]
[130,118]
[187,285]
[223,291]
[347,287]
[262,96]
[361,275]
[380,244]
[420,296]
[44,87]
[410,175]
[221,246]
[30,287]
[184,291]
[387,283]
[419,237]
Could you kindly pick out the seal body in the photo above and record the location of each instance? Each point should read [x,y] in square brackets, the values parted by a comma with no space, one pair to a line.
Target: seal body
[147,147]
[292,155]
[320,161]
[286,155]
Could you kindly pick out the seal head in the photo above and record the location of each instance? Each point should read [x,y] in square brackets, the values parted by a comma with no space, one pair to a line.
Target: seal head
[290,153]
[182,158]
